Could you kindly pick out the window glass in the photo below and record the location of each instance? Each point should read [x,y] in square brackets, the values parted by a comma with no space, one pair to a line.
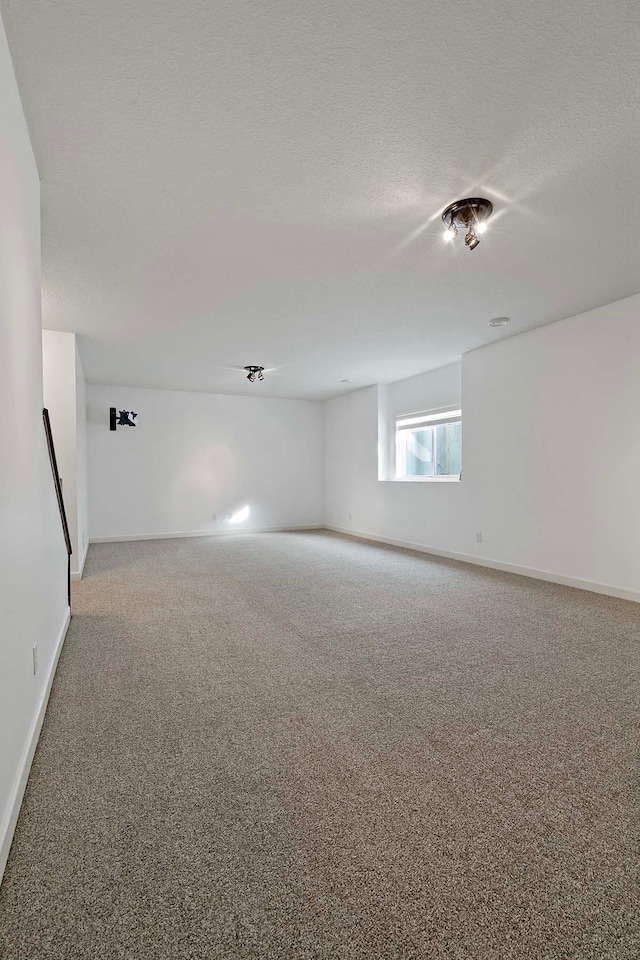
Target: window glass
[429,445]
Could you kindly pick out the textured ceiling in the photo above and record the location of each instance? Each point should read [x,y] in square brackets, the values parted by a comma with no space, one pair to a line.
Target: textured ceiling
[247,182]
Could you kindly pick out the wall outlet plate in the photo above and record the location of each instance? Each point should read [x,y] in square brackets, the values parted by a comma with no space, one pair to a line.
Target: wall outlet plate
[478,538]
[214,516]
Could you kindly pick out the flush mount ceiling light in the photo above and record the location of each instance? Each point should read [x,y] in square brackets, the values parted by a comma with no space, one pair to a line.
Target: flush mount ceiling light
[254,373]
[470,215]
[499,322]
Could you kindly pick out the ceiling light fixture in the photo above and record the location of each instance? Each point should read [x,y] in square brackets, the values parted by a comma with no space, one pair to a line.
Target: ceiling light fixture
[499,322]
[254,373]
[469,215]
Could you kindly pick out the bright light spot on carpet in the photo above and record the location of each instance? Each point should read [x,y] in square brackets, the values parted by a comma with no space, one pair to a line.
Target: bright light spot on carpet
[239,515]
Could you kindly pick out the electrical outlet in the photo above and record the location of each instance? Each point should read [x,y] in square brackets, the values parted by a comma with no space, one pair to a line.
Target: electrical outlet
[350,517]
[214,516]
[34,651]
[478,538]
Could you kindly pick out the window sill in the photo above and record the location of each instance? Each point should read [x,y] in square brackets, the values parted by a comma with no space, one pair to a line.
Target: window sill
[423,480]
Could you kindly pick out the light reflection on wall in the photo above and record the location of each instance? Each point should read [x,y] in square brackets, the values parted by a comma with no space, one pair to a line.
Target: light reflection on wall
[240,515]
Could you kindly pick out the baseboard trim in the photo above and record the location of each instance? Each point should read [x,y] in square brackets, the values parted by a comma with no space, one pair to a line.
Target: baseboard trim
[206,533]
[591,585]
[77,574]
[10,819]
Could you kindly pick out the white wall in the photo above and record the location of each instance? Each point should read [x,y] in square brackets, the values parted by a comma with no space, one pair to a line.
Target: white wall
[82,490]
[64,397]
[438,388]
[191,455]
[551,455]
[33,560]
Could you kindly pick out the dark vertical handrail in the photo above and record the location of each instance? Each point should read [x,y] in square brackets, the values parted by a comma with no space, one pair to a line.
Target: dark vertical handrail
[58,485]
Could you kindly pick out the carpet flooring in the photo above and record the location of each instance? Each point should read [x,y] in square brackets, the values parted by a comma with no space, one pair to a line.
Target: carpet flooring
[300,745]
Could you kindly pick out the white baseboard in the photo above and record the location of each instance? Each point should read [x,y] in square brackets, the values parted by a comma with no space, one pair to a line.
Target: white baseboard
[10,819]
[606,588]
[178,535]
[77,574]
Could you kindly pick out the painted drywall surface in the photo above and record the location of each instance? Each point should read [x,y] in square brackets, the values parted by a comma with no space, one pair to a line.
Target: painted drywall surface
[438,388]
[555,477]
[356,500]
[65,399]
[33,562]
[191,455]
[551,455]
[59,397]
[355,433]
[82,493]
[352,490]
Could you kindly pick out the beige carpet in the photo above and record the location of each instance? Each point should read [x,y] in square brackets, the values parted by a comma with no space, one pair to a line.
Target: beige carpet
[305,746]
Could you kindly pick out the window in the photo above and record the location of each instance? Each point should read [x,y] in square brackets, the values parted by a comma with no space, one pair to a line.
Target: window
[429,446]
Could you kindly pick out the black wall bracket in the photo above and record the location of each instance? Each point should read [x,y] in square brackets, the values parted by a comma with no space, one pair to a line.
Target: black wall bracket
[123,418]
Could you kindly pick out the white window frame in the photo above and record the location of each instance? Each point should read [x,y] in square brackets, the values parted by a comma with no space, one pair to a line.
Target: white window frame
[441,415]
